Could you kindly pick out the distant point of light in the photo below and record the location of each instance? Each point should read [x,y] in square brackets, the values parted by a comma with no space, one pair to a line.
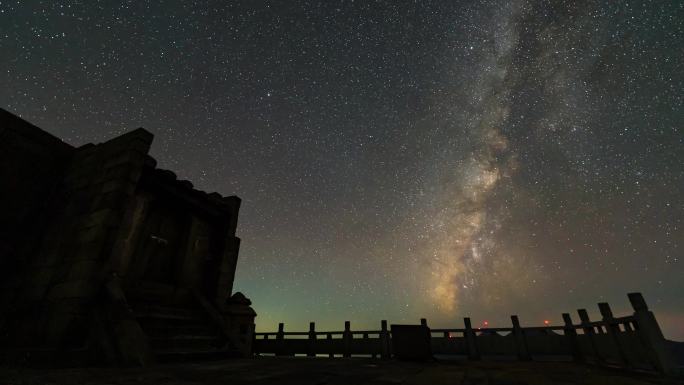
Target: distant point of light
[485,323]
[546,322]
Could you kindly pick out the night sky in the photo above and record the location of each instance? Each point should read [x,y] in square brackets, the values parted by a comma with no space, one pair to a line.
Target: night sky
[396,159]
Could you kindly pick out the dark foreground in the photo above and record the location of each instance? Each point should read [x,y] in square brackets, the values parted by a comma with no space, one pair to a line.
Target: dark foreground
[319,371]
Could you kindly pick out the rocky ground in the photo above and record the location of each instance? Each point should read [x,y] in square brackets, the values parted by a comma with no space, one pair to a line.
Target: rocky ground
[319,371]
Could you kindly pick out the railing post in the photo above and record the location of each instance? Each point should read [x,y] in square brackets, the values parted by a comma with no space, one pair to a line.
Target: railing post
[520,342]
[651,335]
[384,340]
[331,354]
[347,337]
[423,322]
[589,333]
[312,340]
[280,338]
[613,330]
[471,340]
[571,335]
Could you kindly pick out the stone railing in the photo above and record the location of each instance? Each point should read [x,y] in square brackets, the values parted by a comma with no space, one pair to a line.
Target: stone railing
[634,341]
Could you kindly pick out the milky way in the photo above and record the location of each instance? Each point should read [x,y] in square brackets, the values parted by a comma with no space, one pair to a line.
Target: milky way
[440,159]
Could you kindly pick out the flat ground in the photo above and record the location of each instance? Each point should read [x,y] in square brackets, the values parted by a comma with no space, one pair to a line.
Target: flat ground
[319,371]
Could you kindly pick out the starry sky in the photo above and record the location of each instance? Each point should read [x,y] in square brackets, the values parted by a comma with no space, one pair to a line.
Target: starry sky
[396,159]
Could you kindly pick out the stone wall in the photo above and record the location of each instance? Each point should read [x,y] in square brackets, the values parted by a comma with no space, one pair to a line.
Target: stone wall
[31,166]
[64,214]
[85,228]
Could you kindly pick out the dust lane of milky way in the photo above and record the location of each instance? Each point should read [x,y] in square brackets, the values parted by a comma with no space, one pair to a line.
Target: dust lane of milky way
[396,161]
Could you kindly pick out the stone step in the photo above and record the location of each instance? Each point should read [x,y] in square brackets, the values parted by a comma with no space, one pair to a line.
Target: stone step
[171,330]
[186,342]
[167,316]
[181,355]
[170,311]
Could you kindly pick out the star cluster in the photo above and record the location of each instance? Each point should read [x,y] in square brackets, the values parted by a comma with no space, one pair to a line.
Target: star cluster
[396,160]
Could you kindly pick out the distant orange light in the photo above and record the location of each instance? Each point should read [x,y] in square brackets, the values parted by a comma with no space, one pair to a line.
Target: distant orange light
[546,322]
[486,323]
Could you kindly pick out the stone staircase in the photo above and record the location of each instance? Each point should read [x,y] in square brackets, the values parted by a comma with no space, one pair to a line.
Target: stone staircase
[181,333]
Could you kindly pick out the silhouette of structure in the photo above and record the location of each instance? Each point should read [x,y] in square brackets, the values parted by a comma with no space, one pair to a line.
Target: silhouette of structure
[105,258]
[632,342]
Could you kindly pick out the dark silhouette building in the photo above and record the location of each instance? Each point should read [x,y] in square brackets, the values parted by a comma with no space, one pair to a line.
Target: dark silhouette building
[105,258]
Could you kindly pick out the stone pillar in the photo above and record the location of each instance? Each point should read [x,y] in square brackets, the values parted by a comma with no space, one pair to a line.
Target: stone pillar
[330,345]
[520,341]
[384,340]
[471,340]
[589,334]
[347,337]
[651,336]
[571,336]
[613,330]
[312,340]
[280,338]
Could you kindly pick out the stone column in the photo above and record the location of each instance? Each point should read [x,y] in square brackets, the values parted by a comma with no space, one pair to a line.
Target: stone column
[571,335]
[589,334]
[651,336]
[347,338]
[520,342]
[312,340]
[613,330]
[384,340]
[471,340]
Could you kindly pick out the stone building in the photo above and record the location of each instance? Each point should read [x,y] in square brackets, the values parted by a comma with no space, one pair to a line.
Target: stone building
[105,258]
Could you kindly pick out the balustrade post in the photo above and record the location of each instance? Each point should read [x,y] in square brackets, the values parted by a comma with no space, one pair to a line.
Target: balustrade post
[520,341]
[471,340]
[280,338]
[613,330]
[331,346]
[571,335]
[590,333]
[312,340]
[347,337]
[651,336]
[384,340]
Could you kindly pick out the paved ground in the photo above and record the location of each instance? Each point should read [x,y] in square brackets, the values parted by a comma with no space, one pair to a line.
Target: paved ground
[320,371]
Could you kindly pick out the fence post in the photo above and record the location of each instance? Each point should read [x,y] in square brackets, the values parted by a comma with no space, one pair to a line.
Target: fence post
[423,322]
[571,335]
[330,346]
[471,340]
[613,330]
[589,332]
[280,338]
[520,342]
[347,337]
[384,340]
[312,340]
[651,335]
